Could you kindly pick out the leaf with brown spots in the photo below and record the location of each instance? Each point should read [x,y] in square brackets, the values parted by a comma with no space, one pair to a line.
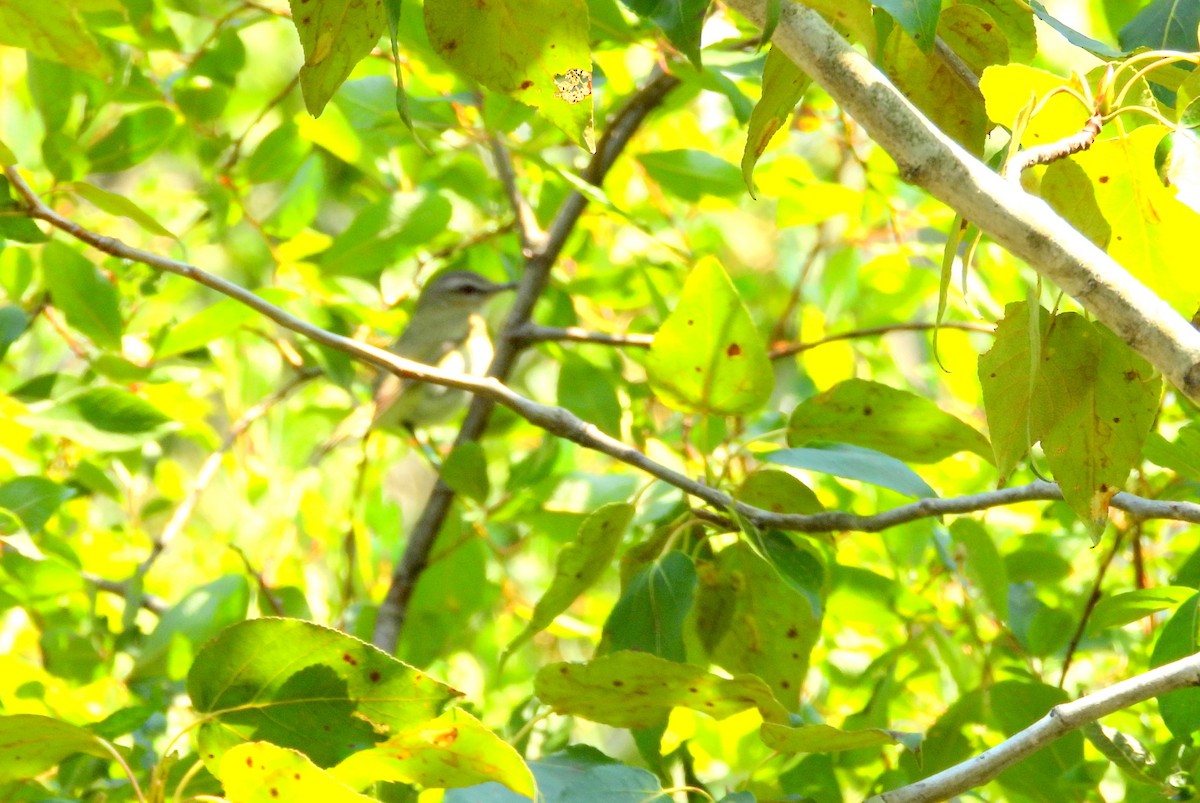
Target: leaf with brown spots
[272,679]
[707,356]
[260,772]
[450,752]
[637,690]
[875,416]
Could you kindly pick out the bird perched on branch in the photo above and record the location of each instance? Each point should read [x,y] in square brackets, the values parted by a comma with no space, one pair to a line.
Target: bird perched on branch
[446,331]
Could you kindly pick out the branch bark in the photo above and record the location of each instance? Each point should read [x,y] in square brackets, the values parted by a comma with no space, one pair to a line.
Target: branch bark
[1060,720]
[1023,224]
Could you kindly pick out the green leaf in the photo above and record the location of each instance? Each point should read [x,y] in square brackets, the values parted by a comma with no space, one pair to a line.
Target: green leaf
[588,392]
[200,615]
[335,36]
[778,492]
[752,620]
[692,174]
[392,10]
[534,51]
[707,356]
[13,323]
[680,20]
[1128,754]
[783,87]
[52,31]
[133,140]
[89,301]
[932,86]
[105,418]
[579,565]
[983,564]
[450,752]
[261,772]
[1093,405]
[1075,37]
[33,500]
[1163,25]
[14,223]
[869,414]
[7,157]
[822,738]
[31,744]
[465,471]
[1014,705]
[855,463]
[1006,376]
[1130,606]
[638,690]
[1181,455]
[385,232]
[120,205]
[1016,21]
[1180,709]
[278,156]
[271,679]
[918,18]
[211,323]
[650,614]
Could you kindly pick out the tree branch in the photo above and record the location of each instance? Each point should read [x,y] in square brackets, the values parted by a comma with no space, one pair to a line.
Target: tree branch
[1061,719]
[1023,224]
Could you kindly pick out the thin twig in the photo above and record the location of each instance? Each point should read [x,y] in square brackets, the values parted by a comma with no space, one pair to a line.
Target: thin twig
[1090,605]
[156,605]
[535,333]
[1053,151]
[1061,719]
[958,68]
[528,229]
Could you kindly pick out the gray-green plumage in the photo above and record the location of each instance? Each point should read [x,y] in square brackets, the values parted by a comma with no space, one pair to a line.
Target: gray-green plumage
[446,331]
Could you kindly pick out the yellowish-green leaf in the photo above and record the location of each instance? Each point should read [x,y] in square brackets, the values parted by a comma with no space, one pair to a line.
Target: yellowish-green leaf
[1007,89]
[783,86]
[816,202]
[260,772]
[752,620]
[778,492]
[120,205]
[822,738]
[7,157]
[579,564]
[535,51]
[1156,229]
[1093,404]
[335,36]
[869,414]
[52,31]
[450,752]
[707,356]
[32,744]
[1006,374]
[637,690]
[1015,19]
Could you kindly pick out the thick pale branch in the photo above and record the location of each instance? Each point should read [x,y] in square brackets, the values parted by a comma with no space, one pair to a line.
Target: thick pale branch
[1025,225]
[1060,720]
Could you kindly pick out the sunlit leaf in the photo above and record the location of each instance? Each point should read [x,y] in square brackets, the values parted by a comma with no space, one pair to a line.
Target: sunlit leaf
[783,86]
[270,679]
[134,139]
[822,738]
[31,744]
[535,51]
[637,690]
[1177,639]
[52,31]
[1121,609]
[261,772]
[335,35]
[33,499]
[692,174]
[869,414]
[452,751]
[120,205]
[707,356]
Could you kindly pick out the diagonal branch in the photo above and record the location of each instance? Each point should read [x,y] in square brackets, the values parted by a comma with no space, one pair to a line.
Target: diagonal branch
[562,423]
[1023,224]
[1060,720]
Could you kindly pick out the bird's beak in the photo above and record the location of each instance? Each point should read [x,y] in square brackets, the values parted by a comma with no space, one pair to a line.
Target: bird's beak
[500,288]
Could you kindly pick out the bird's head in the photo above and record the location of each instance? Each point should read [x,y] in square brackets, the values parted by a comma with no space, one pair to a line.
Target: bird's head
[459,290]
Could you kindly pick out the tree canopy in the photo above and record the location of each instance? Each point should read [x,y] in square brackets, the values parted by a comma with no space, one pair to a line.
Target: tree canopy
[842,425]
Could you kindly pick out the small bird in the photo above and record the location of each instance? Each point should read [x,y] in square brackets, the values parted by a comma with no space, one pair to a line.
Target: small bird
[446,331]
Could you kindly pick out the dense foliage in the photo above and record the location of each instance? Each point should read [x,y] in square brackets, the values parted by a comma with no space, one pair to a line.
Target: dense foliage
[721,274]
